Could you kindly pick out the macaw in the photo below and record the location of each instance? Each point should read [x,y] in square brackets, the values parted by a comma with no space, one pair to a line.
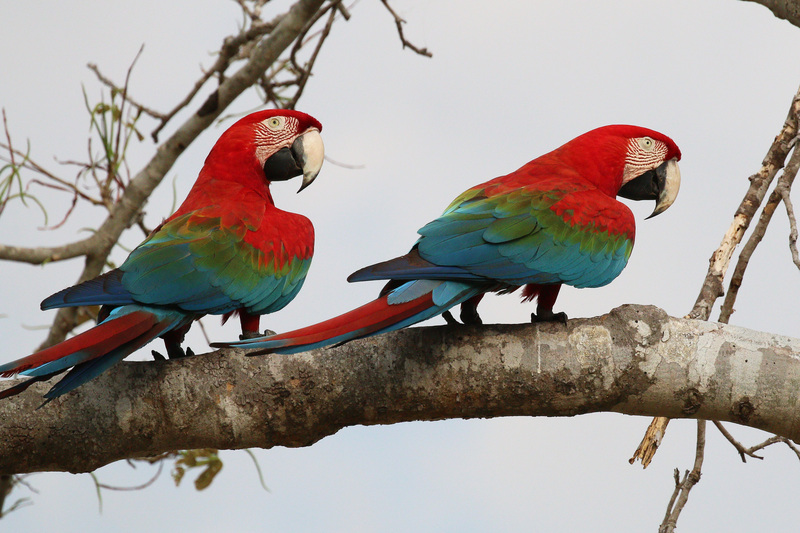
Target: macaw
[554,221]
[226,250]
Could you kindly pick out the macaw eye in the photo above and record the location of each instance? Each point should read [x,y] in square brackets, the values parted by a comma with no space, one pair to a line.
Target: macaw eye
[275,123]
[646,143]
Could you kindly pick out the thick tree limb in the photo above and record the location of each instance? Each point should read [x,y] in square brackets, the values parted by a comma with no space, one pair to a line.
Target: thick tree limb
[788,10]
[635,360]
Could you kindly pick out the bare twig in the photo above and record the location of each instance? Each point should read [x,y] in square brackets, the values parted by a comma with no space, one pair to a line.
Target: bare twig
[111,85]
[46,254]
[743,452]
[399,21]
[778,438]
[304,72]
[750,452]
[781,192]
[229,51]
[784,192]
[141,486]
[682,487]
[759,184]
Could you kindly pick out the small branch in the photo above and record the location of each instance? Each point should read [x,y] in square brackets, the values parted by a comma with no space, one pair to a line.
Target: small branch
[44,254]
[141,486]
[229,51]
[772,440]
[399,21]
[682,488]
[111,85]
[759,184]
[743,452]
[305,71]
[781,191]
[784,192]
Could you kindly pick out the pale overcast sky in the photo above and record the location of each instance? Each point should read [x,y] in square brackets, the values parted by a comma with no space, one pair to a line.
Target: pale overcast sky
[509,80]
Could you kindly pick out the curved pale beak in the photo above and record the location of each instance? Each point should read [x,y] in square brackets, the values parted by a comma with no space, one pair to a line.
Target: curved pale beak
[304,157]
[310,153]
[660,184]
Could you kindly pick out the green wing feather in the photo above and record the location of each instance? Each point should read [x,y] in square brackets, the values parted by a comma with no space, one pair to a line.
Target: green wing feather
[197,264]
[572,235]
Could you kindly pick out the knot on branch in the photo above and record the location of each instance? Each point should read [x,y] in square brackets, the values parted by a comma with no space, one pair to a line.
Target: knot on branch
[743,410]
[643,324]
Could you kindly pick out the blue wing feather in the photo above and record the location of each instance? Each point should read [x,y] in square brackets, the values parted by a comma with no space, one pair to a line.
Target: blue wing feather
[516,238]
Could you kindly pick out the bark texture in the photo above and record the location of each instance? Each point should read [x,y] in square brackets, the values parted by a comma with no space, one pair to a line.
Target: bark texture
[635,360]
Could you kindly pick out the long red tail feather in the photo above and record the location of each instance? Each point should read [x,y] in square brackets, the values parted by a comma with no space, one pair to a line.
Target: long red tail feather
[100,339]
[369,318]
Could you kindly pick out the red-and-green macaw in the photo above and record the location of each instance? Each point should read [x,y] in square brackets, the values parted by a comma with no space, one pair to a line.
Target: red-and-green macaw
[554,221]
[226,250]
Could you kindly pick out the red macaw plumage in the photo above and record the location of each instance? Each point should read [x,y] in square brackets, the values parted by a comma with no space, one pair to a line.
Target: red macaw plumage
[226,250]
[554,221]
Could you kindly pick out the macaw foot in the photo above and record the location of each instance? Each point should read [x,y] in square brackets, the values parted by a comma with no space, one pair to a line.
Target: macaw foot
[469,315]
[549,316]
[254,334]
[451,321]
[172,342]
[173,352]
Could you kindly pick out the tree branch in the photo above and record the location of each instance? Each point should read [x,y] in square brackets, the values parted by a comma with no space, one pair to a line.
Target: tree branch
[788,10]
[635,360]
[779,193]
[759,184]
[682,487]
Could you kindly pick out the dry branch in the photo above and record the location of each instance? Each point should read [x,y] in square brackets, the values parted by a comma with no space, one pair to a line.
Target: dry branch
[780,193]
[759,184]
[683,486]
[635,360]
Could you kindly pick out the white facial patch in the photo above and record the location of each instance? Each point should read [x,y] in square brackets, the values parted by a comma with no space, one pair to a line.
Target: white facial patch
[644,153]
[273,134]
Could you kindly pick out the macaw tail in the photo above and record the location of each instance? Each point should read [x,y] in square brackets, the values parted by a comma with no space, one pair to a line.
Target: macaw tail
[92,352]
[402,306]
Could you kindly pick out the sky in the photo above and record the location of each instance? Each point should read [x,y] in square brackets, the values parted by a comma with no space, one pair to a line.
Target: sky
[508,81]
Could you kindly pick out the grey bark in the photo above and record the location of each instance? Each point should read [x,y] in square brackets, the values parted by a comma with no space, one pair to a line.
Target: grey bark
[634,360]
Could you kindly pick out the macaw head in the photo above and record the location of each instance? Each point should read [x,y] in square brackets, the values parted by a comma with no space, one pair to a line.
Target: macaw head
[279,144]
[631,162]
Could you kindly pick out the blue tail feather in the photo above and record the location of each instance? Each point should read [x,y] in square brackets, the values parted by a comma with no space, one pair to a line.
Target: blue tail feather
[106,289]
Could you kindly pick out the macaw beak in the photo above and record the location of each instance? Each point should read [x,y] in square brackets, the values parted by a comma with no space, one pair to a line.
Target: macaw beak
[304,157]
[660,184]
